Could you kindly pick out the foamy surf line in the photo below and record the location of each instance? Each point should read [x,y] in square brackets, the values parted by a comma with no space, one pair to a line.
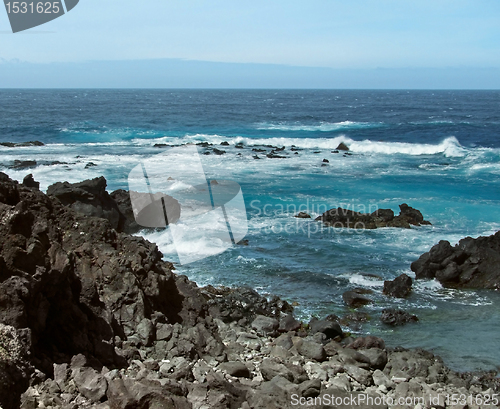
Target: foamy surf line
[323,127]
[449,147]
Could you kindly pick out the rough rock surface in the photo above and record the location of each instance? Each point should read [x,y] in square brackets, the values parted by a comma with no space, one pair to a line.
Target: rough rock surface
[93,318]
[345,218]
[396,317]
[303,215]
[89,198]
[127,223]
[28,181]
[472,263]
[21,144]
[400,287]
[356,298]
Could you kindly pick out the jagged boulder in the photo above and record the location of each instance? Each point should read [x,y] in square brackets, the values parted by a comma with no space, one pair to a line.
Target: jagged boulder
[400,287]
[73,285]
[396,317]
[29,181]
[356,298]
[89,198]
[346,218]
[472,263]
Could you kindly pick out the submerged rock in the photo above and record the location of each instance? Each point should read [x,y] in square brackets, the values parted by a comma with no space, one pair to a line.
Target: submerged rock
[355,298]
[396,317]
[21,144]
[218,151]
[273,155]
[22,164]
[303,215]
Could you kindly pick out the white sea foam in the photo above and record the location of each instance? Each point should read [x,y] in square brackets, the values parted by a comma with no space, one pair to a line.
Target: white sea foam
[450,147]
[362,280]
[193,240]
[323,127]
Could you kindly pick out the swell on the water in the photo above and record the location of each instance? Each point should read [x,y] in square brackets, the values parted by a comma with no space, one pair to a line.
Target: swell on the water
[450,146]
[322,127]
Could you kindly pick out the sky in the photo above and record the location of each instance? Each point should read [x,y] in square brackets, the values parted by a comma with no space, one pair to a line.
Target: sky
[356,36]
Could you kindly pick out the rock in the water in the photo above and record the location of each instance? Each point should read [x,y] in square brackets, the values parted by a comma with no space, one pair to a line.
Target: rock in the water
[303,215]
[355,298]
[400,287]
[395,317]
[342,147]
[21,144]
[29,181]
[273,155]
[472,263]
[23,164]
[218,151]
[413,216]
[346,218]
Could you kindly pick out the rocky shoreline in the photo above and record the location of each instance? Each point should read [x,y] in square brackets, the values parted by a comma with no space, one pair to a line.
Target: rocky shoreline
[92,317]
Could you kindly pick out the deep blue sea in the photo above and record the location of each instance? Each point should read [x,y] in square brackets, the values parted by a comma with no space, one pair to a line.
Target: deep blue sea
[438,151]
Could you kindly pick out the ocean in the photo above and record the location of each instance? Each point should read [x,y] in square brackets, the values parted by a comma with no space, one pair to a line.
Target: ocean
[437,151]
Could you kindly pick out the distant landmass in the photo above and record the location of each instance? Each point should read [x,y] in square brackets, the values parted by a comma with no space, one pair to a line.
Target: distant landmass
[177,73]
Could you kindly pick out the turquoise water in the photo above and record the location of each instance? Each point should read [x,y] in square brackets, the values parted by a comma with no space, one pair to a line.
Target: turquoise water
[436,151]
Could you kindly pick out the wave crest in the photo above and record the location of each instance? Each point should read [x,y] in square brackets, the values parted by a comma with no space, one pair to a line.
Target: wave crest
[323,127]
